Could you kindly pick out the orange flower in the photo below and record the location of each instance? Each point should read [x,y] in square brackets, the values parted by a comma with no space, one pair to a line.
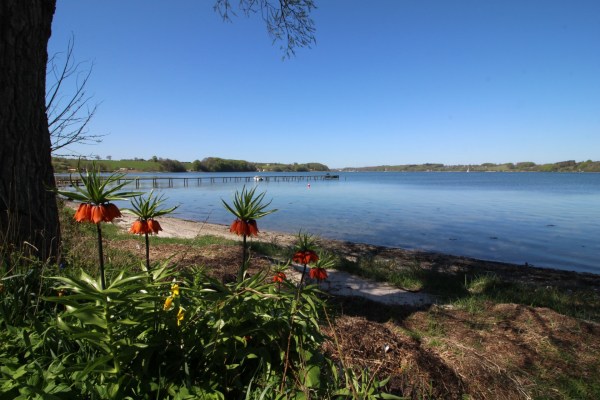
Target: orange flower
[319,274]
[84,213]
[153,226]
[136,226]
[139,227]
[234,228]
[98,212]
[252,228]
[248,228]
[279,277]
[305,257]
[111,212]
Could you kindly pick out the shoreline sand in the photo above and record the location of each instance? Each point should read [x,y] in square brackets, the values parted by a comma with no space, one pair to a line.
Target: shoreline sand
[187,229]
[338,283]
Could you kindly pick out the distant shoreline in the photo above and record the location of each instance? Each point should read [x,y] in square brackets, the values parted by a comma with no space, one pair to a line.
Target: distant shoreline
[215,164]
[132,172]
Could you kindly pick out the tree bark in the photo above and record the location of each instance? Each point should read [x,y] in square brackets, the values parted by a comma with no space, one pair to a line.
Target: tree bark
[28,210]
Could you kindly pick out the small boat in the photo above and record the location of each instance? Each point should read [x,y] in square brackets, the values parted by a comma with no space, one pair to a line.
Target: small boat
[258,178]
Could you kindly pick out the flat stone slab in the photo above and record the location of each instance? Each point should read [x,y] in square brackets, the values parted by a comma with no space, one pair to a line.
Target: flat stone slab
[340,283]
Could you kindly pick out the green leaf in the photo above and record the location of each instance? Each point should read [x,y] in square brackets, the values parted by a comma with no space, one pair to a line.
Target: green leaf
[313,376]
[388,396]
[90,317]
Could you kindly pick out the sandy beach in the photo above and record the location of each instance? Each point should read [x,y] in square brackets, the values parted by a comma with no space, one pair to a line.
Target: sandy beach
[186,229]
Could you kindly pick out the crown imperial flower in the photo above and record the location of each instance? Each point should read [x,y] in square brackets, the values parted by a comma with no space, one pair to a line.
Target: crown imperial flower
[84,213]
[319,274]
[154,226]
[305,257]
[248,228]
[279,277]
[139,227]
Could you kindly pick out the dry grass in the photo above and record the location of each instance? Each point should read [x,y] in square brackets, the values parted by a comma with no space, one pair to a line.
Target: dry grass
[505,351]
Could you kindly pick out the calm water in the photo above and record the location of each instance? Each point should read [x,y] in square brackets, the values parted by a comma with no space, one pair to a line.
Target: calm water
[550,220]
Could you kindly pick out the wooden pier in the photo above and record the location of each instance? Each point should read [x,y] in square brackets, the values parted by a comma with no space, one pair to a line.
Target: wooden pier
[199,181]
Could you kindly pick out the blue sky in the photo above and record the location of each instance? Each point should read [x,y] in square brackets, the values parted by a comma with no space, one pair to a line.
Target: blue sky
[388,82]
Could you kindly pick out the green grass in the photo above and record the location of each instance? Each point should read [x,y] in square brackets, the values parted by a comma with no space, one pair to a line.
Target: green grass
[577,388]
[271,250]
[408,276]
[115,233]
[81,251]
[583,304]
[471,292]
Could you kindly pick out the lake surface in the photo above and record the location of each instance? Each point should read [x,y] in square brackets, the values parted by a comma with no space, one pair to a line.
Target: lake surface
[545,219]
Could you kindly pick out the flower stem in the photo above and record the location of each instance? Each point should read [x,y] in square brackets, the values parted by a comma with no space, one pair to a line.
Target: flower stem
[147,254]
[242,271]
[302,277]
[111,341]
[101,256]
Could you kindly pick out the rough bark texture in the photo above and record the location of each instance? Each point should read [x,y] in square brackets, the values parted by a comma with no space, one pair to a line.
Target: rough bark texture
[28,211]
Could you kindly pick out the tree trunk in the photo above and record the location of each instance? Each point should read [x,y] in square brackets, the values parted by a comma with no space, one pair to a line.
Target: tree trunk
[28,211]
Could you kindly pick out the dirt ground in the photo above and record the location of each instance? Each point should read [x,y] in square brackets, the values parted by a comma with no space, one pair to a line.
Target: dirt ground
[503,351]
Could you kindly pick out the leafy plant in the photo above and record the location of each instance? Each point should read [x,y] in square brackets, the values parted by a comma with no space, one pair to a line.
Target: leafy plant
[247,208]
[305,252]
[146,209]
[20,288]
[96,207]
[208,338]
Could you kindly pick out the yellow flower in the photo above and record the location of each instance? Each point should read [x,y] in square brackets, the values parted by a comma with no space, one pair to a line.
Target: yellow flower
[168,302]
[175,290]
[180,316]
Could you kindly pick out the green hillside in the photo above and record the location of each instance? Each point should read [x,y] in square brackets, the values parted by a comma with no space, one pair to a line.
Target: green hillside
[563,166]
[209,164]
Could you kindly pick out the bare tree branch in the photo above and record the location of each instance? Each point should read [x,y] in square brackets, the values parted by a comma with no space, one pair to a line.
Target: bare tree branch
[69,114]
[287,21]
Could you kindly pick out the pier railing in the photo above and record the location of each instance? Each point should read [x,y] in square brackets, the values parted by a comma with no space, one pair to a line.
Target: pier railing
[198,181]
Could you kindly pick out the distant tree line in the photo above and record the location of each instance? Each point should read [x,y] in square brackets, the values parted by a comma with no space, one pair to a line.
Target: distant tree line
[295,167]
[157,164]
[168,165]
[526,166]
[215,164]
